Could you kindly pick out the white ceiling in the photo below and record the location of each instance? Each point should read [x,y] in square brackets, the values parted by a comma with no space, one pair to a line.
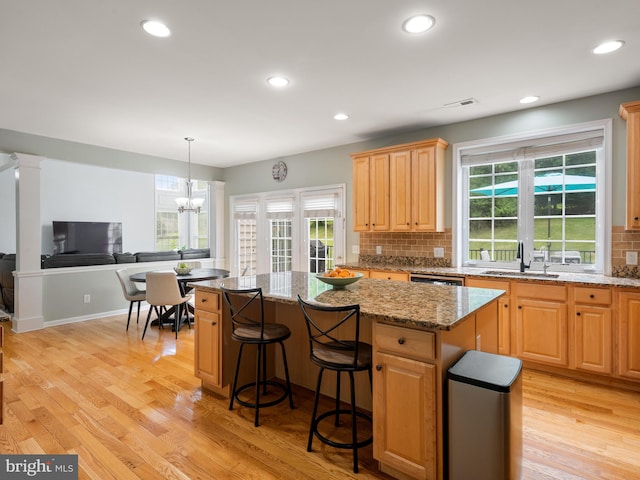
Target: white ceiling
[85,71]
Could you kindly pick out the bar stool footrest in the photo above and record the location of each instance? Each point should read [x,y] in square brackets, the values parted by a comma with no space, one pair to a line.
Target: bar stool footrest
[244,403]
[333,413]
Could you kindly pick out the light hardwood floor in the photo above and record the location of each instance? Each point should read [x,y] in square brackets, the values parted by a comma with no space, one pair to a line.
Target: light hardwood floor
[133,409]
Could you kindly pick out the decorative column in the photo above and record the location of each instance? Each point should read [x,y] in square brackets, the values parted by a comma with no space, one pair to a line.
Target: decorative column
[216,224]
[28,275]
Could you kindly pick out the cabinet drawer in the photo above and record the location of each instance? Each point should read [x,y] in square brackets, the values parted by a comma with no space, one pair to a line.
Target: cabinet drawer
[591,295]
[402,276]
[482,283]
[405,341]
[208,301]
[541,292]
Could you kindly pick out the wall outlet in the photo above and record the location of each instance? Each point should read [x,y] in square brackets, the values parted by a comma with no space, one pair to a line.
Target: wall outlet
[355,249]
[378,250]
[438,252]
[632,258]
[87,298]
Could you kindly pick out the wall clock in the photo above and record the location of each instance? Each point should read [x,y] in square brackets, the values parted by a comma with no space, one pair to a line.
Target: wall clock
[279,171]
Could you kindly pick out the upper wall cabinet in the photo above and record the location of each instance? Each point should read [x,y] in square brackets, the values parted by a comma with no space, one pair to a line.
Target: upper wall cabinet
[631,113]
[400,188]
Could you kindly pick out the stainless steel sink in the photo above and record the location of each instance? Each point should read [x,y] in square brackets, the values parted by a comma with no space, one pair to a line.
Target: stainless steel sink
[509,273]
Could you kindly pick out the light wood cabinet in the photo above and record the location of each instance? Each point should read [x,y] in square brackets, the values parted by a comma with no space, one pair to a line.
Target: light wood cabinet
[504,310]
[400,188]
[540,329]
[592,329]
[405,428]
[631,113]
[388,275]
[417,189]
[371,193]
[208,328]
[629,335]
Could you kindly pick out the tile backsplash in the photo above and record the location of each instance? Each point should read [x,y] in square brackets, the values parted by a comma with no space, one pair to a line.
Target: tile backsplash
[419,247]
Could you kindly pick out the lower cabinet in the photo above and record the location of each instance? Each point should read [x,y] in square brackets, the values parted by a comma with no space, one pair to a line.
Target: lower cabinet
[405,390]
[592,330]
[504,310]
[541,327]
[629,336]
[208,327]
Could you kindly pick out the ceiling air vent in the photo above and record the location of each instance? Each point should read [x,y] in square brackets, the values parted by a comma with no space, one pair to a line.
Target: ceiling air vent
[461,103]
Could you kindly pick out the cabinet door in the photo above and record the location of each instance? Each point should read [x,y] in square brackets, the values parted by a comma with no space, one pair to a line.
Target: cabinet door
[427,190]
[592,338]
[631,113]
[207,347]
[400,188]
[361,198]
[404,421]
[629,336]
[379,191]
[541,331]
[504,311]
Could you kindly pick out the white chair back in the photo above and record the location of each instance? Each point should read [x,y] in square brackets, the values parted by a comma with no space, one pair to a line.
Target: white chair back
[163,289]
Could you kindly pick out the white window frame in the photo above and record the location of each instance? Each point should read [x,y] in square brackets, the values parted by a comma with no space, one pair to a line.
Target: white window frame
[300,242]
[603,197]
[165,201]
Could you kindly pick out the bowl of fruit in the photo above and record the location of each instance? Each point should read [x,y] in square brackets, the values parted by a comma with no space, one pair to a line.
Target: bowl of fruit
[339,277]
[182,269]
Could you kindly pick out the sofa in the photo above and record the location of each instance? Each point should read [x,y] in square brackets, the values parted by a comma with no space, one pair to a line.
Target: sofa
[60,260]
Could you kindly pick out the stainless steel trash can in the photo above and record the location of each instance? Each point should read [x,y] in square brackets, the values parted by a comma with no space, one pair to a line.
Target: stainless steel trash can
[485,417]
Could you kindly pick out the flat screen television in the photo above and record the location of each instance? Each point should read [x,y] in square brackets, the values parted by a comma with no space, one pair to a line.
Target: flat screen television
[87,237]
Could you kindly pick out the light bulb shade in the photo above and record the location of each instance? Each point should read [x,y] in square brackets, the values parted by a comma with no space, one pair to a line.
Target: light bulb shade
[197,202]
[182,202]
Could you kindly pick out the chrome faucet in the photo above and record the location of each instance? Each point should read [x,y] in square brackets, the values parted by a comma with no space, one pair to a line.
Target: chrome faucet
[545,267]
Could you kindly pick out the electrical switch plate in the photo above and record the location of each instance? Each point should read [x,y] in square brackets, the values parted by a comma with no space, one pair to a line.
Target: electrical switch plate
[355,249]
[438,252]
[632,258]
[378,250]
[87,298]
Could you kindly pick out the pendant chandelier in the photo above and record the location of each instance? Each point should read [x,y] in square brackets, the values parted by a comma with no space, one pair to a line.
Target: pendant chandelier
[188,203]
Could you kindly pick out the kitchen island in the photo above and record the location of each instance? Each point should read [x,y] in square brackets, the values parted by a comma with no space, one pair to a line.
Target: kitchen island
[417,331]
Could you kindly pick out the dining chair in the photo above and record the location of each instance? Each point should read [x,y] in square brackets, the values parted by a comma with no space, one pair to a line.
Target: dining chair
[248,327]
[344,354]
[131,293]
[162,291]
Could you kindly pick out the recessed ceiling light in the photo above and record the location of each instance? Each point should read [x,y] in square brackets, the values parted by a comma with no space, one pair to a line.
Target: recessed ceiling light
[529,99]
[608,47]
[156,29]
[278,81]
[418,23]
[340,116]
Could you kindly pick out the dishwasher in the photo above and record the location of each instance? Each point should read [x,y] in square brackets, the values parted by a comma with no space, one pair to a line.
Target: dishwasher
[437,279]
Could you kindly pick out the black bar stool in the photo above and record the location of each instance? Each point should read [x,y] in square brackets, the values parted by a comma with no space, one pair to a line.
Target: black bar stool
[340,355]
[249,328]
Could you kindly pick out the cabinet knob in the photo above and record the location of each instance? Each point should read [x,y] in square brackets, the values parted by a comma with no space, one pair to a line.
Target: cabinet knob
[204,300]
[408,223]
[635,218]
[401,341]
[214,323]
[378,367]
[578,313]
[592,296]
[506,305]
[520,307]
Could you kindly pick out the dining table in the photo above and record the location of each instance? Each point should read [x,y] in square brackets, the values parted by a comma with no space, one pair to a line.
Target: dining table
[195,275]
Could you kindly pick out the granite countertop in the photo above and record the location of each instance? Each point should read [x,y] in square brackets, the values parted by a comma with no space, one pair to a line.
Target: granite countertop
[434,307]
[530,275]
